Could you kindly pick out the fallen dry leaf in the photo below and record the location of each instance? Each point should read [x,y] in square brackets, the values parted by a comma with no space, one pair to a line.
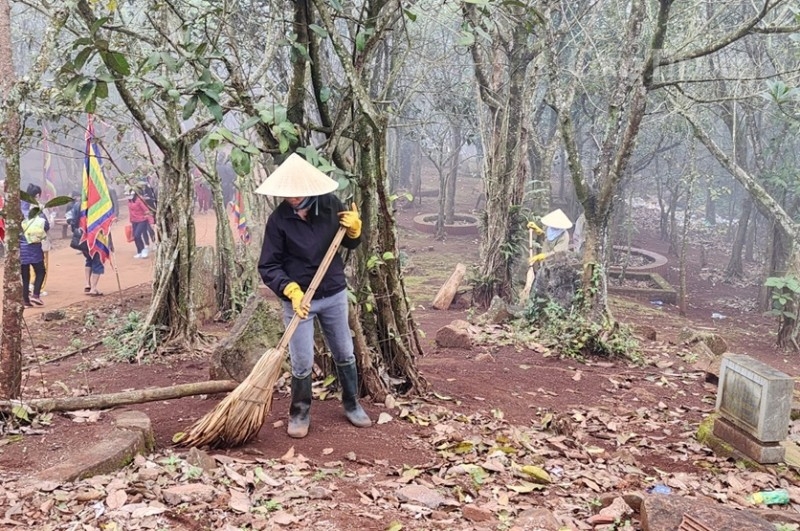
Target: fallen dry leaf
[116,499]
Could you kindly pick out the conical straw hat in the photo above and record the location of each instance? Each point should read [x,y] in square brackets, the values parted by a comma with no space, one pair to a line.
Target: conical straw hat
[296,177]
[557,220]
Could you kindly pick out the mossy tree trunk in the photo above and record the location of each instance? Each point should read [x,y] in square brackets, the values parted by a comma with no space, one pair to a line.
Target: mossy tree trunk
[501,67]
[389,323]
[12,94]
[385,335]
[172,311]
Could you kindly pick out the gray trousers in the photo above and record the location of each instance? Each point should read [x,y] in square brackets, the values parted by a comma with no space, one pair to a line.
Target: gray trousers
[332,314]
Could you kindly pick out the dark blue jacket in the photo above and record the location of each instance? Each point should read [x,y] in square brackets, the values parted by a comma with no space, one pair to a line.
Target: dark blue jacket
[31,253]
[294,248]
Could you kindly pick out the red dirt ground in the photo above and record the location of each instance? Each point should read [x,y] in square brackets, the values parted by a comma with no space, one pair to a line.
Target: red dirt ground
[524,384]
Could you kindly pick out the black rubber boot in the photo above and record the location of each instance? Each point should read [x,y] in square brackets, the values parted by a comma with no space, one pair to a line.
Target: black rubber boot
[299,411]
[348,376]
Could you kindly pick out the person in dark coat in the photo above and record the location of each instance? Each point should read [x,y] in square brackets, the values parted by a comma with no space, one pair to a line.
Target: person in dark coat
[31,254]
[93,265]
[297,237]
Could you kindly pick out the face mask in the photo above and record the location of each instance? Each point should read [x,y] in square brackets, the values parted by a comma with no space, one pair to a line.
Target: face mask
[552,234]
[307,202]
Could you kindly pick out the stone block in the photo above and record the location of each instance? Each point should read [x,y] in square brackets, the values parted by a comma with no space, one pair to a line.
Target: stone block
[537,518]
[116,451]
[755,397]
[664,512]
[756,450]
[705,360]
[452,337]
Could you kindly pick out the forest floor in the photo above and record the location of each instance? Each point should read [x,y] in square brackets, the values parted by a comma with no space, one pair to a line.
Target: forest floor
[452,459]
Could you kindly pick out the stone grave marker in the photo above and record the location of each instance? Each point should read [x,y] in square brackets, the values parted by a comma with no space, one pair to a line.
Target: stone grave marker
[754,401]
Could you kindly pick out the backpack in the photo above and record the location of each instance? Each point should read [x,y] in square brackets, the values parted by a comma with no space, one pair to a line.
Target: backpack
[33,230]
[75,242]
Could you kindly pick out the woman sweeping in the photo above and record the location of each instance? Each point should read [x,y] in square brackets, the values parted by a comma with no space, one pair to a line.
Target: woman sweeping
[556,237]
[297,236]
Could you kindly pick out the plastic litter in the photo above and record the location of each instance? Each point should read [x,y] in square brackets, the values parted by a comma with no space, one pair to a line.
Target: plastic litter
[716,315]
[770,497]
[657,303]
[659,489]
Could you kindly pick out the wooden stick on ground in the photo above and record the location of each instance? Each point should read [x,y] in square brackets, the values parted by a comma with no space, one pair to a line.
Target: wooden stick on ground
[447,292]
[137,396]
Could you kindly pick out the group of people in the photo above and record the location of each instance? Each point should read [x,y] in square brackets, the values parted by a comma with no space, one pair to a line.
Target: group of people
[35,244]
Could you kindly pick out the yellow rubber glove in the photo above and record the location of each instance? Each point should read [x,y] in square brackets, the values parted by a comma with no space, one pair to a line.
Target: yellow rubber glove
[536,228]
[295,294]
[350,220]
[537,258]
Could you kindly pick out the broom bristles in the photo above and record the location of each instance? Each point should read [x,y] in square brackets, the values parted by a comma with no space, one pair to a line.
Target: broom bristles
[240,415]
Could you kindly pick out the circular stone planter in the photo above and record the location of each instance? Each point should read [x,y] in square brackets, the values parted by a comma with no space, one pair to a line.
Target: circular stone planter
[464,225]
[654,260]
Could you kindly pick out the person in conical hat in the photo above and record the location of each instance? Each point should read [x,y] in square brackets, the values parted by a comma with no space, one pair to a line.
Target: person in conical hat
[298,234]
[556,237]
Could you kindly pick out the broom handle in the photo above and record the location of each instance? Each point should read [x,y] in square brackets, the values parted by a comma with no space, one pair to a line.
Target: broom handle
[309,294]
[530,244]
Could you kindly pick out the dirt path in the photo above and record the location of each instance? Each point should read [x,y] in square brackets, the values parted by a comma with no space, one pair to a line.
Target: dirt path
[65,279]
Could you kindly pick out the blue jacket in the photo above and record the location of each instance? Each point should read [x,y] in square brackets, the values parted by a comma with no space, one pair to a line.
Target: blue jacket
[31,253]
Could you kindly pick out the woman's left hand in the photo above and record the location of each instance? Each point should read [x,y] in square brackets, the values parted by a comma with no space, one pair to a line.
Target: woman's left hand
[350,220]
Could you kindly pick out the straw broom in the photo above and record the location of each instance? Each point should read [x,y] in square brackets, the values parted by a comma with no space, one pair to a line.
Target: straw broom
[240,415]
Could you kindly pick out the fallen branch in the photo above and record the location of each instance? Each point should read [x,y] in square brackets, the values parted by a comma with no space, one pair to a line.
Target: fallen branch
[137,396]
[63,356]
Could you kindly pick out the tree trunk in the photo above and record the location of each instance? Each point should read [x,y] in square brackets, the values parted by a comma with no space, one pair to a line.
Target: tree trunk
[11,96]
[682,292]
[415,175]
[750,245]
[734,268]
[505,144]
[389,329]
[452,176]
[711,206]
[440,202]
[594,279]
[172,313]
[788,322]
[11,348]
[778,263]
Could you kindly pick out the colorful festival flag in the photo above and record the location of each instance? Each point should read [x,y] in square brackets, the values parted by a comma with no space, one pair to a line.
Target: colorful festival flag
[240,216]
[97,212]
[48,186]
